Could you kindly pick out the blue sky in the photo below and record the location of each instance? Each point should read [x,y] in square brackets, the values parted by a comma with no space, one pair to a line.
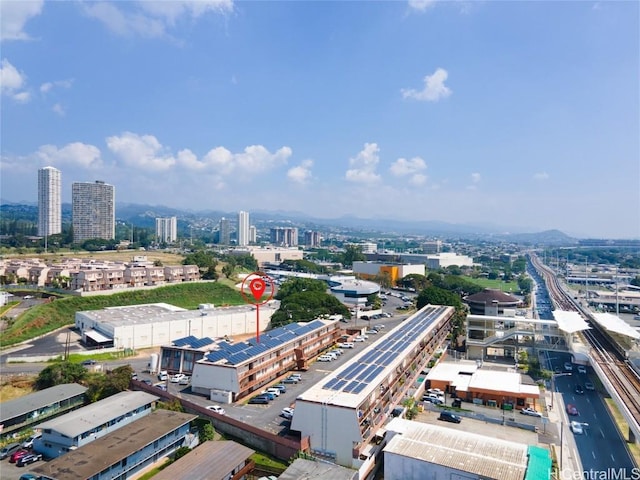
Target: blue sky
[524,114]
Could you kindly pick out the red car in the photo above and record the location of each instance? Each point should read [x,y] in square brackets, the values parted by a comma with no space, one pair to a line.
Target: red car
[17,455]
[572,410]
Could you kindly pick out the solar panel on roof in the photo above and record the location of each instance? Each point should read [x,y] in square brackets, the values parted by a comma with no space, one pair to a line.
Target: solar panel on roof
[359,388]
[346,373]
[373,374]
[349,388]
[359,368]
[330,384]
[341,383]
[366,372]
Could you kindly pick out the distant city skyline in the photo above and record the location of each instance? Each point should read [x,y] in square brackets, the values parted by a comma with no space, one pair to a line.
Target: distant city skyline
[460,112]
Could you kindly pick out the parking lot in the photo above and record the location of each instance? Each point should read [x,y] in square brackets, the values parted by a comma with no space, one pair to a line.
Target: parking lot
[268,417]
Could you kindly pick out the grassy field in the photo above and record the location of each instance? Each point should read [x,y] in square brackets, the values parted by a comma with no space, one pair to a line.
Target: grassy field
[623,427]
[48,317]
[509,287]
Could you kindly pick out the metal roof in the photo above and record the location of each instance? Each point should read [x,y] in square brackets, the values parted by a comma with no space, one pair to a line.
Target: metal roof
[38,400]
[87,418]
[210,460]
[615,324]
[94,457]
[570,322]
[239,352]
[302,469]
[351,383]
[459,450]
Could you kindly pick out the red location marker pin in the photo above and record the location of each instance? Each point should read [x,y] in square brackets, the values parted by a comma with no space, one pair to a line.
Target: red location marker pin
[257,287]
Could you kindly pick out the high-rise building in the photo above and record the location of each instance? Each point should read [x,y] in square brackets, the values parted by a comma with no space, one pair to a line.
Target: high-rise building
[284,236]
[312,238]
[253,234]
[49,201]
[167,229]
[93,211]
[224,231]
[243,229]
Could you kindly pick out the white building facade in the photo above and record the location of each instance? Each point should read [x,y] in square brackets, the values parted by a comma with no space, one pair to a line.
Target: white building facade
[49,201]
[93,211]
[243,229]
[167,229]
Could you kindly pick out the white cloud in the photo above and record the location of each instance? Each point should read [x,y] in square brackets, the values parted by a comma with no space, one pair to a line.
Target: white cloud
[140,151]
[421,5]
[48,86]
[73,154]
[434,88]
[402,166]
[12,81]
[476,177]
[14,15]
[418,179]
[59,109]
[541,176]
[151,19]
[364,165]
[302,173]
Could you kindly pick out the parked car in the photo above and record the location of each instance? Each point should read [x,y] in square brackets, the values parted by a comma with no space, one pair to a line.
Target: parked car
[532,412]
[296,375]
[269,395]
[589,386]
[28,459]
[281,387]
[568,367]
[287,412]
[290,380]
[18,454]
[185,380]
[161,386]
[177,377]
[348,345]
[579,389]
[325,358]
[572,410]
[371,332]
[217,409]
[582,369]
[576,428]
[29,476]
[380,326]
[9,450]
[147,381]
[434,400]
[358,339]
[457,403]
[163,376]
[259,400]
[275,391]
[449,417]
[88,363]
[28,443]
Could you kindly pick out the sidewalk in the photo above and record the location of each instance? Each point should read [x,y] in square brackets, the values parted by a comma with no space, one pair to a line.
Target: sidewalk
[569,465]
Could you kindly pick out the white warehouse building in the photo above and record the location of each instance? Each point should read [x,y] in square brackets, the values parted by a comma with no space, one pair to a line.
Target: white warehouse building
[344,413]
[157,324]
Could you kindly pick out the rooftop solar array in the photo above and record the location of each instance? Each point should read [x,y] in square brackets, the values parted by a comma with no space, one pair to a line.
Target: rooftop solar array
[192,342]
[358,374]
[236,353]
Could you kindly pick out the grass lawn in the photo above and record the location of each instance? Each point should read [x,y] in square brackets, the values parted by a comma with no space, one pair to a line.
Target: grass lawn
[509,287]
[623,427]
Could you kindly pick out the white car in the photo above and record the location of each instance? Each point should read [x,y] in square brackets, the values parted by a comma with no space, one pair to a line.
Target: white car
[358,339]
[568,367]
[185,380]
[287,412]
[325,358]
[275,391]
[177,377]
[576,428]
[532,412]
[582,369]
[348,345]
[217,409]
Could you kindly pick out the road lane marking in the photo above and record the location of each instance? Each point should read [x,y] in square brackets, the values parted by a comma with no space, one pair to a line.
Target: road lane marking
[613,458]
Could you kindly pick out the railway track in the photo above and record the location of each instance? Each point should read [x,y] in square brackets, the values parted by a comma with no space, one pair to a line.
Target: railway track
[611,358]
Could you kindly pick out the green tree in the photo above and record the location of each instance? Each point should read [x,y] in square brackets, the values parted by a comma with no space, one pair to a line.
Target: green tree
[59,373]
[298,285]
[210,274]
[174,405]
[412,408]
[353,253]
[416,281]
[438,296]
[228,269]
[306,306]
[525,284]
[202,259]
[206,432]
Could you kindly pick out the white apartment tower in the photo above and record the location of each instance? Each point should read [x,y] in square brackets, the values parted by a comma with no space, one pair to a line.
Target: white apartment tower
[49,201]
[243,229]
[253,234]
[93,211]
[167,229]
[224,231]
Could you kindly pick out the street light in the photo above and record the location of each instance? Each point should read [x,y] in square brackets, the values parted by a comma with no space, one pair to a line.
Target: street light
[553,384]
